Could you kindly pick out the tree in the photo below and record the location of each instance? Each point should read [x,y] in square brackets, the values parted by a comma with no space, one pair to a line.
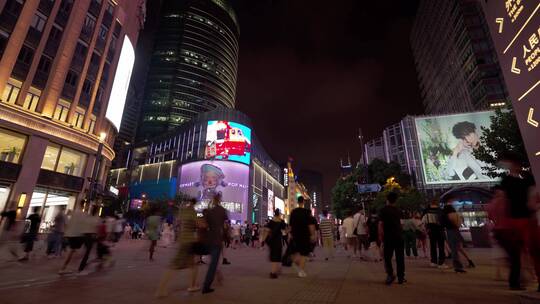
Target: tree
[503,135]
[345,196]
[380,171]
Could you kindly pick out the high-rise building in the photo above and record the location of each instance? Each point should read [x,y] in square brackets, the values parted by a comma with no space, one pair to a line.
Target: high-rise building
[194,64]
[455,59]
[64,69]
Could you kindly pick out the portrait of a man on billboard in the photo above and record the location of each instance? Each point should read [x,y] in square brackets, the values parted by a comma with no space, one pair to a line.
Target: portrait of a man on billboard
[447,144]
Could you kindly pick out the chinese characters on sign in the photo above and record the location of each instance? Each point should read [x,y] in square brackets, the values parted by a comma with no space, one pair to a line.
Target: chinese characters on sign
[515,29]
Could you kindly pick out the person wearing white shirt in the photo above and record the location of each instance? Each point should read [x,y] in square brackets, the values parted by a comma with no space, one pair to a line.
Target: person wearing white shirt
[352,240]
[360,222]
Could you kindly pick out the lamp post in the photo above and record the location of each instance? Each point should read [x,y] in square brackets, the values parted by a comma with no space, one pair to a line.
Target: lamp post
[95,171]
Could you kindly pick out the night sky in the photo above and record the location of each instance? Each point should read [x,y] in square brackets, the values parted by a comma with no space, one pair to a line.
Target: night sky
[312,72]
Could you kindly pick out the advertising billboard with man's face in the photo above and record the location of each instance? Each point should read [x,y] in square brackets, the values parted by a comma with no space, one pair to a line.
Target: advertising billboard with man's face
[228,140]
[204,180]
[447,144]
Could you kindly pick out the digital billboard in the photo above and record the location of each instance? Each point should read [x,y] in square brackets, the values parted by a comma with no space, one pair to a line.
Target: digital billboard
[279,204]
[227,140]
[270,203]
[447,144]
[115,107]
[204,179]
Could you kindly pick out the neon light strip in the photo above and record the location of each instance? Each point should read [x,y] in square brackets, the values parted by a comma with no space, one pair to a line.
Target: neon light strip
[524,25]
[529,90]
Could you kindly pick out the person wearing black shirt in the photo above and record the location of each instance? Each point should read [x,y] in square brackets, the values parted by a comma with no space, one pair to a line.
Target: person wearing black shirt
[432,221]
[391,235]
[303,234]
[31,233]
[274,239]
[451,221]
[216,218]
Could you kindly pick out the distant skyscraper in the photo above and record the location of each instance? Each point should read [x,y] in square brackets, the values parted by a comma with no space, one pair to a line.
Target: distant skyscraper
[194,64]
[455,59]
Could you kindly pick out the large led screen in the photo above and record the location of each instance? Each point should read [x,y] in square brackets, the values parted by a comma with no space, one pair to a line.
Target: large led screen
[279,204]
[447,144]
[204,179]
[115,107]
[228,140]
[270,200]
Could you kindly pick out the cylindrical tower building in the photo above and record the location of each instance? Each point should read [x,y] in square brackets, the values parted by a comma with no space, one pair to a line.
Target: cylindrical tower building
[194,64]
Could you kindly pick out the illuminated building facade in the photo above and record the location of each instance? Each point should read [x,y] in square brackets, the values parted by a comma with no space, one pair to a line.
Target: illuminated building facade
[176,161]
[64,70]
[193,67]
[456,63]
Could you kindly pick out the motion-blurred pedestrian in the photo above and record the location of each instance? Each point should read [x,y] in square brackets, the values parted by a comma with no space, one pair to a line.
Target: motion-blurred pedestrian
[303,234]
[153,228]
[30,233]
[273,238]
[188,248]
[217,215]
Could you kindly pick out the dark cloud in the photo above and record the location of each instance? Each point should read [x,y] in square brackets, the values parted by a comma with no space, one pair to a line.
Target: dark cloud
[312,72]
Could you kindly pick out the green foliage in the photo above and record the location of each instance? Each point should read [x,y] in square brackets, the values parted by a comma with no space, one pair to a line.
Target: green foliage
[345,196]
[380,171]
[410,199]
[503,135]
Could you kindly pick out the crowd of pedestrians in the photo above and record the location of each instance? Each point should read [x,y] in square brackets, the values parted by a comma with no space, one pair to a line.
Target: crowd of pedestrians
[388,235]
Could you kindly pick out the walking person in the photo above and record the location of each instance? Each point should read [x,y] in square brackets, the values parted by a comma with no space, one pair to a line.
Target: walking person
[432,221]
[327,235]
[409,236]
[216,217]
[8,232]
[521,231]
[31,233]
[421,234]
[74,235]
[56,236]
[373,231]
[303,233]
[273,238]
[391,235]
[226,241]
[452,222]
[349,229]
[89,231]
[361,232]
[153,228]
[189,247]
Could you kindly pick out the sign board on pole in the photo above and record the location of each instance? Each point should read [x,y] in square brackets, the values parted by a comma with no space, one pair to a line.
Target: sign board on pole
[515,29]
[367,188]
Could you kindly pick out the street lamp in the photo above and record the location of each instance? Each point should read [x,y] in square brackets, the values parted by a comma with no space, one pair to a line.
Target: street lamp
[97,165]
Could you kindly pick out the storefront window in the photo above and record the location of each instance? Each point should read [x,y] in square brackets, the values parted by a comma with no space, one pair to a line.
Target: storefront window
[51,157]
[48,203]
[71,162]
[11,146]
[64,160]
[4,194]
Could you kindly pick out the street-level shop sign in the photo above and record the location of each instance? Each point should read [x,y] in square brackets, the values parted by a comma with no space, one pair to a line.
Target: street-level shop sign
[515,29]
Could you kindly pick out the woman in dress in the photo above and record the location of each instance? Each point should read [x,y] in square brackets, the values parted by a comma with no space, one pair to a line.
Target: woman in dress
[184,257]
[273,238]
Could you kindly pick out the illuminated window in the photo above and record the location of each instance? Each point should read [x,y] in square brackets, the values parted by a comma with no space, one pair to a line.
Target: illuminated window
[61,111]
[79,118]
[63,160]
[11,92]
[92,124]
[31,101]
[71,162]
[51,157]
[11,146]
